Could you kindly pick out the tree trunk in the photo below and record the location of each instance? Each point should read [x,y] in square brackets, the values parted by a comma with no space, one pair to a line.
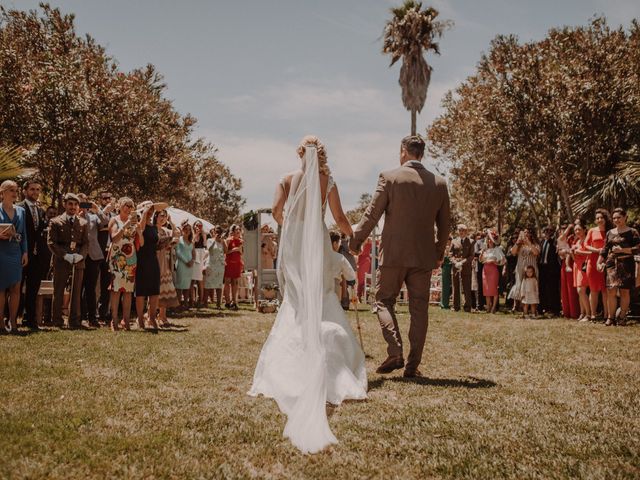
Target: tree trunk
[413,122]
[527,197]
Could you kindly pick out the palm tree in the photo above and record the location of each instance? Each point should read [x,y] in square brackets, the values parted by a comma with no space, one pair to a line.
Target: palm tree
[619,188]
[407,35]
[10,163]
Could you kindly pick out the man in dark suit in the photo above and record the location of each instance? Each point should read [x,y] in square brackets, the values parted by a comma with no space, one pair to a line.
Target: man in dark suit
[69,243]
[461,253]
[107,206]
[549,272]
[36,245]
[415,203]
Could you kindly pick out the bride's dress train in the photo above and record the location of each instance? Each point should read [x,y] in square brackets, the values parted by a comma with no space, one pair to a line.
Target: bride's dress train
[311,355]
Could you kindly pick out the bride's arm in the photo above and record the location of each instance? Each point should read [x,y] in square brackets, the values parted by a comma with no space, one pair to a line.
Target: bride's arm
[338,214]
[278,201]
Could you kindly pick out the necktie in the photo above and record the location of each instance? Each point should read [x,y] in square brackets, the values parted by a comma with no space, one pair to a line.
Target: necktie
[34,215]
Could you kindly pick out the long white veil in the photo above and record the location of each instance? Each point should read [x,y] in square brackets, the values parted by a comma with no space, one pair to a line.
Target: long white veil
[301,254]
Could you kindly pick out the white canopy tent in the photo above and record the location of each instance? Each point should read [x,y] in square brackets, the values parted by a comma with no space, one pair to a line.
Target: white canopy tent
[178,216]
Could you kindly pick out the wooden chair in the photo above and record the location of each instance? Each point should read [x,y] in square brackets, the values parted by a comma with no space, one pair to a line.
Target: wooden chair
[46,291]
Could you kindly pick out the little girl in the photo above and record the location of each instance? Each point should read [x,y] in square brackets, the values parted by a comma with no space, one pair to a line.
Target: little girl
[529,292]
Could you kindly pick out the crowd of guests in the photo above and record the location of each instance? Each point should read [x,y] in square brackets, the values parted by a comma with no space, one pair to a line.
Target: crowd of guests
[106,253]
[579,272]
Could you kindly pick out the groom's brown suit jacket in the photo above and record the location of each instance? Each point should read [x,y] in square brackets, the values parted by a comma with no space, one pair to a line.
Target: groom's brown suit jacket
[413,200]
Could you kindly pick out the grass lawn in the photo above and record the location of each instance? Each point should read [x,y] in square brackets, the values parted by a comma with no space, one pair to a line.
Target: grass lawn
[503,398]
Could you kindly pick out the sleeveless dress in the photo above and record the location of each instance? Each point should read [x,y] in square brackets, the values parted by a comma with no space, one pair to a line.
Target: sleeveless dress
[276,375]
[596,239]
[168,297]
[621,267]
[184,273]
[235,265]
[148,270]
[123,260]
[214,274]
[11,251]
[198,264]
[579,276]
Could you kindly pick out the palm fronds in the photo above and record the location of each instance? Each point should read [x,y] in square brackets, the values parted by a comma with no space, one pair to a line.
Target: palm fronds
[11,159]
[620,188]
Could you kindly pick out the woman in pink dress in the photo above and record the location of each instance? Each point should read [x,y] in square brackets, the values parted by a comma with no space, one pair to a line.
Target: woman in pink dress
[364,266]
[491,257]
[595,243]
[580,256]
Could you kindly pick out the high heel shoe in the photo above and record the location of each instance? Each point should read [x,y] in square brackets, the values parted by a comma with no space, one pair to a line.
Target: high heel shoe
[609,322]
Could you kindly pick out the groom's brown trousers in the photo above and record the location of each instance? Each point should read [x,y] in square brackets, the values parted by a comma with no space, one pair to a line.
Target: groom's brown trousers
[388,284]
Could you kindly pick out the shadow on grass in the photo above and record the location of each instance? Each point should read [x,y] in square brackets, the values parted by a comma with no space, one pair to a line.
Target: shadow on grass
[469,382]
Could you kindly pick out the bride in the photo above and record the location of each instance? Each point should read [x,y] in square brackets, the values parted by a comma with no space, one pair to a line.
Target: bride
[311,356]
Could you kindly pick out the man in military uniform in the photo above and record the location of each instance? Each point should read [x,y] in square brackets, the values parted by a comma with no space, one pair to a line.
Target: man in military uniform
[461,254]
[68,241]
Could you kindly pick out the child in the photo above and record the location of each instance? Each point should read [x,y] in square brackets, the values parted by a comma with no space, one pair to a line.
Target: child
[340,267]
[529,292]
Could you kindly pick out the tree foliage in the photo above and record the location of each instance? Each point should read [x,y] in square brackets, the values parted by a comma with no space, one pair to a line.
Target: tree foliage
[95,127]
[549,127]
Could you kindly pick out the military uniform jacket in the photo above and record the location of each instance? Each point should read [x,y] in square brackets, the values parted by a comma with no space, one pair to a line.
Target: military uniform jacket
[64,238]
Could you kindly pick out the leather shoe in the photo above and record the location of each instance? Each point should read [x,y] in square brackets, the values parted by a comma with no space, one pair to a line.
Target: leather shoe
[390,364]
[412,373]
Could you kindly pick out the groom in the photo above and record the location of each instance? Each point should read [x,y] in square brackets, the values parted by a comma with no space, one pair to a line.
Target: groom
[413,201]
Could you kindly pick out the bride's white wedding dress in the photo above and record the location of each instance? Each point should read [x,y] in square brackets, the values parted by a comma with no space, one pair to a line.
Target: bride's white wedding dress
[311,355]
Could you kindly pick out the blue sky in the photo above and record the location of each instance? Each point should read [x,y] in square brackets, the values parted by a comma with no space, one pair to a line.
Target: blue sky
[260,74]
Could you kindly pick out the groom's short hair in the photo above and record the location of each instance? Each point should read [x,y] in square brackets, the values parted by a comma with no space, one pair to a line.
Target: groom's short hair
[414,145]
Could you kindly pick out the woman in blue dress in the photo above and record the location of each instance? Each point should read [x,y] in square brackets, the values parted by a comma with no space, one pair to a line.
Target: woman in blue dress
[13,251]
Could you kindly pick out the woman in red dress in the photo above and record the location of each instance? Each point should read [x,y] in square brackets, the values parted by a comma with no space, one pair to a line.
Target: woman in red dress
[364,266]
[569,294]
[580,281]
[234,266]
[595,243]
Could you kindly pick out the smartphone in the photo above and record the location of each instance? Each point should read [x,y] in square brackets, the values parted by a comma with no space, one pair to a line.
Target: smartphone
[85,205]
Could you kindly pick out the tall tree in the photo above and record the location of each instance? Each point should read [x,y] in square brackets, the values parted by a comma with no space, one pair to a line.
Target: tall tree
[409,35]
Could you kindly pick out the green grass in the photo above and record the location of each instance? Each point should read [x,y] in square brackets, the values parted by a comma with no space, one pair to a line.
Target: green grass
[503,398]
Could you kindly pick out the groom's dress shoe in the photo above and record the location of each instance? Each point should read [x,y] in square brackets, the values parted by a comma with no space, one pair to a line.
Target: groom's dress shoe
[412,373]
[390,364]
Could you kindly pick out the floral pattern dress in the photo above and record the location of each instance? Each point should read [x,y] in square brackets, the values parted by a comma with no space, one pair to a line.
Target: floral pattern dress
[123,260]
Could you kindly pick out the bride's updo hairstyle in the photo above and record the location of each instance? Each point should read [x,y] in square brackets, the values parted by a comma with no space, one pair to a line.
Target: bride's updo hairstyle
[322,153]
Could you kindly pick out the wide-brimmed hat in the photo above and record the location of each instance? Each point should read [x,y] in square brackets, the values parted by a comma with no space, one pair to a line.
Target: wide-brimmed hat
[157,206]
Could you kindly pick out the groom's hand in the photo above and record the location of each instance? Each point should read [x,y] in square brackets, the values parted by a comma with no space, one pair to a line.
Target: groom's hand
[353,248]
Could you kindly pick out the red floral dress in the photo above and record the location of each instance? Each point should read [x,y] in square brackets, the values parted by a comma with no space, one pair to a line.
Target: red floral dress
[123,260]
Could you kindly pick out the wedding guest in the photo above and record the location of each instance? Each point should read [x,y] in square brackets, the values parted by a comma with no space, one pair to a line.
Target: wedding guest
[69,243]
[214,261]
[569,293]
[529,292]
[364,265]
[341,268]
[445,295]
[594,243]
[44,257]
[478,246]
[492,257]
[199,243]
[14,251]
[527,249]
[125,232]
[617,257]
[96,219]
[108,208]
[234,266]
[462,259]
[509,270]
[148,269]
[268,247]
[37,245]
[580,255]
[345,302]
[549,278]
[168,236]
[185,259]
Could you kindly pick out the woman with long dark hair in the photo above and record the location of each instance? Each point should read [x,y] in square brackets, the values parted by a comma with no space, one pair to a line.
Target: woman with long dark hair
[594,243]
[617,257]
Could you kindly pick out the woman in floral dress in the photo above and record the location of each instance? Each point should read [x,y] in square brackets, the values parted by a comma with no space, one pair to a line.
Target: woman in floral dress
[124,231]
[617,259]
[167,238]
